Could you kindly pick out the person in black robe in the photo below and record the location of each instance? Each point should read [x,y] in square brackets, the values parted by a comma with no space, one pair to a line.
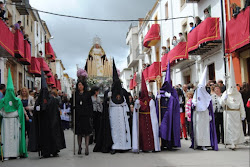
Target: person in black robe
[47,135]
[84,114]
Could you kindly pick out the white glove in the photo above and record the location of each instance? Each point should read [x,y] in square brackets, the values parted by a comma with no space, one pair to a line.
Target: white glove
[109,94]
[37,108]
[137,104]
[210,118]
[158,96]
[243,118]
[225,97]
[167,94]
[194,103]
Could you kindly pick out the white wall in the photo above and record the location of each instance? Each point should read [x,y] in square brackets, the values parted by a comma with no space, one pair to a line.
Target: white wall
[2,67]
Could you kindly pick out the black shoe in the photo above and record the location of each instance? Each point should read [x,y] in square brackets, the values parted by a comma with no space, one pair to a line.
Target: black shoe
[86,151]
[181,138]
[112,152]
[56,155]
[80,151]
[186,138]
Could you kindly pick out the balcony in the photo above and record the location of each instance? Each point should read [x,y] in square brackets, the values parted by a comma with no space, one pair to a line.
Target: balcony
[205,37]
[128,59]
[131,61]
[22,6]
[6,41]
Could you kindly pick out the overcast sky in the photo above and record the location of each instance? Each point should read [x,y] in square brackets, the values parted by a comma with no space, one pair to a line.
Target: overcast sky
[73,37]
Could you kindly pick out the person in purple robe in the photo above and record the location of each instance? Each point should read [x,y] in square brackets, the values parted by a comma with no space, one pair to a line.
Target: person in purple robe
[170,114]
[203,132]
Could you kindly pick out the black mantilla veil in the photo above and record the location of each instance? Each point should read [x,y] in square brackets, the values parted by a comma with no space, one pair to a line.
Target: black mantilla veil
[44,94]
[84,83]
[117,91]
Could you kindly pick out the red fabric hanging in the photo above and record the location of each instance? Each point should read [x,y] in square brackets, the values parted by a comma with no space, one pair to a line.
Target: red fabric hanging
[208,30]
[131,85]
[238,31]
[27,54]
[6,41]
[44,65]
[134,81]
[178,52]
[153,36]
[18,44]
[154,70]
[145,74]
[49,52]
[34,67]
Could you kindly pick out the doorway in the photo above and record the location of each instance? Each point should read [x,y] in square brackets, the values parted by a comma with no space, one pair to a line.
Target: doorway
[211,72]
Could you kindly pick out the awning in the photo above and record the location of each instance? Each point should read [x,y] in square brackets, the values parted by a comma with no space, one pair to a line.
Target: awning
[34,67]
[27,54]
[44,65]
[238,31]
[51,81]
[49,52]
[6,41]
[208,30]
[131,85]
[178,52]
[18,44]
[154,70]
[49,74]
[153,36]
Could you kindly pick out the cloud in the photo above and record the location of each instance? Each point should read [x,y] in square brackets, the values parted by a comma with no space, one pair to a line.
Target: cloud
[73,37]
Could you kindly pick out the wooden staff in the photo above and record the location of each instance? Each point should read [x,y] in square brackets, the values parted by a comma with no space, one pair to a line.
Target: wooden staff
[74,120]
[158,79]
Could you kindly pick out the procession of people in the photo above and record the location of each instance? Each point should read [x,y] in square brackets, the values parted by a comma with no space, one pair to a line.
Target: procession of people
[119,123]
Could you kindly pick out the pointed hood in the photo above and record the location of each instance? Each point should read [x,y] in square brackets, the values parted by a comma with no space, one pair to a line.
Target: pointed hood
[44,95]
[10,101]
[201,95]
[117,93]
[144,98]
[168,75]
[231,82]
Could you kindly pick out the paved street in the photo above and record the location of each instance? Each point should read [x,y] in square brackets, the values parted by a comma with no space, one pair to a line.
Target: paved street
[185,157]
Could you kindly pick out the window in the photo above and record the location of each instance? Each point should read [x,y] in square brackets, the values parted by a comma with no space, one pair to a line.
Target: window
[183,2]
[27,20]
[168,43]
[211,72]
[156,19]
[166,10]
[36,28]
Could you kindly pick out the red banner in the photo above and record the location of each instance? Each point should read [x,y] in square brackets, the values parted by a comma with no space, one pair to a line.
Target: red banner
[27,54]
[34,67]
[145,74]
[131,85]
[18,44]
[238,31]
[178,52]
[51,81]
[6,41]
[49,52]
[134,81]
[153,36]
[208,30]
[154,70]
[44,65]
[58,85]
[49,74]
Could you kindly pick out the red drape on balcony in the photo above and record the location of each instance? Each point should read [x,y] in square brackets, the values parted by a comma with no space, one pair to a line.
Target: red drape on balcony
[178,52]
[208,30]
[51,81]
[131,85]
[153,36]
[238,31]
[145,74]
[6,41]
[154,70]
[49,74]
[58,85]
[44,65]
[34,67]
[27,54]
[49,52]
[134,81]
[18,44]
